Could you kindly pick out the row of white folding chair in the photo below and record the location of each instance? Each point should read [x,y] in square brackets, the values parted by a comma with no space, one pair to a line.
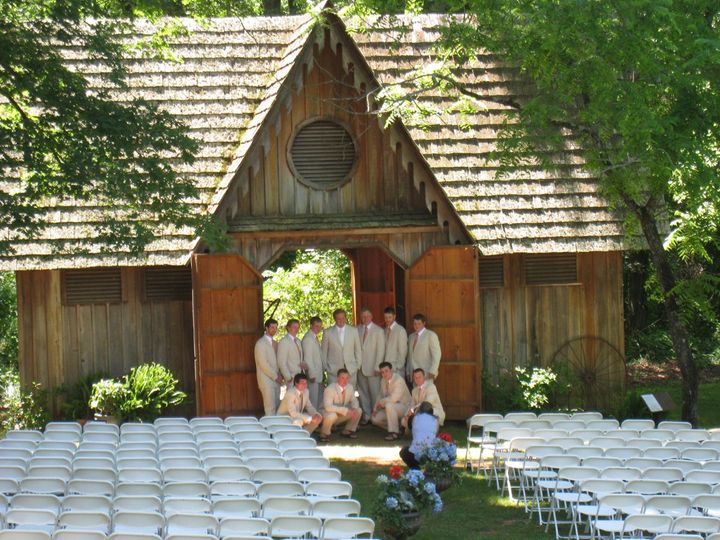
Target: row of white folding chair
[631,524]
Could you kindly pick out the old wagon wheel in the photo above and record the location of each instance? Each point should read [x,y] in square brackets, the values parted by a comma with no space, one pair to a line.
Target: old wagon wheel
[592,374]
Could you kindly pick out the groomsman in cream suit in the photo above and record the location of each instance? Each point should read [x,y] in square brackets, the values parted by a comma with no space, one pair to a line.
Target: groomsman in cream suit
[396,342]
[372,344]
[423,349]
[393,402]
[298,406]
[290,353]
[424,390]
[266,366]
[341,348]
[340,407]
[313,358]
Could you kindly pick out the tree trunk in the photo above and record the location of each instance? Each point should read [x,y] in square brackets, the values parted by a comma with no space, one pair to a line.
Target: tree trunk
[678,331]
[272,7]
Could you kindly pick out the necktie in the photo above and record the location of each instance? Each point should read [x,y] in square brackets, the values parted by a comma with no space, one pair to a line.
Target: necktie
[416,340]
[302,401]
[365,333]
[387,332]
[342,397]
[274,344]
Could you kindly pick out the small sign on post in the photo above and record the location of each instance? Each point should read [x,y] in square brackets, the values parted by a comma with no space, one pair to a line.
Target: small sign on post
[659,404]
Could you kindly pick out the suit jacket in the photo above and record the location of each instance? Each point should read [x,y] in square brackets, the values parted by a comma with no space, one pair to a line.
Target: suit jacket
[425,354]
[266,364]
[293,405]
[336,355]
[289,356]
[428,392]
[312,355]
[333,401]
[396,346]
[394,391]
[372,347]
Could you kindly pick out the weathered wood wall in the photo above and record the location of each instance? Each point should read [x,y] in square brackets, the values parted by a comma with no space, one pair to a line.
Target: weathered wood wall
[526,324]
[61,343]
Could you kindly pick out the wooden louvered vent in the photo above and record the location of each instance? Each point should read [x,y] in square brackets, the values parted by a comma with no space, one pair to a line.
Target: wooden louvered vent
[92,286]
[492,272]
[548,269]
[168,283]
[322,154]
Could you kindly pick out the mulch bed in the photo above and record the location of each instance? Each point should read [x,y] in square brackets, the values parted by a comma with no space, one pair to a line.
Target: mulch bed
[644,373]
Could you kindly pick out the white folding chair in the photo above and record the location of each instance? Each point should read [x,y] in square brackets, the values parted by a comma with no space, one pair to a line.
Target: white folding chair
[279,489]
[647,487]
[236,473]
[699,454]
[554,417]
[34,501]
[137,503]
[299,463]
[707,504]
[192,523]
[616,506]
[639,424]
[235,507]
[330,508]
[623,453]
[93,463]
[565,494]
[185,474]
[56,486]
[95,521]
[140,476]
[29,518]
[170,420]
[293,453]
[517,417]
[662,453]
[694,435]
[133,489]
[137,463]
[654,524]
[689,489]
[186,505]
[186,489]
[295,527]
[95,473]
[587,416]
[708,477]
[78,534]
[670,505]
[476,436]
[285,506]
[643,463]
[206,421]
[643,444]
[696,524]
[674,425]
[319,475]
[232,488]
[338,528]
[90,487]
[16,534]
[241,420]
[329,490]
[658,434]
[621,473]
[274,475]
[668,474]
[24,435]
[192,462]
[275,421]
[133,536]
[244,526]
[296,443]
[138,522]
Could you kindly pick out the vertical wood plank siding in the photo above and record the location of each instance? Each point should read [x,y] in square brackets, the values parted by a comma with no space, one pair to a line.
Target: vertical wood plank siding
[61,343]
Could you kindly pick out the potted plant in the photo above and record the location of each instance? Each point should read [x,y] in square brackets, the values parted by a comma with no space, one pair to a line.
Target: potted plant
[402,499]
[106,399]
[149,390]
[438,461]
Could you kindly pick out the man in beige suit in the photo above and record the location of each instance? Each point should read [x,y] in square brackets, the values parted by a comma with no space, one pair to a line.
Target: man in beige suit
[298,406]
[372,344]
[393,402]
[423,349]
[290,353]
[266,367]
[396,342]
[340,407]
[424,390]
[341,348]
[313,358]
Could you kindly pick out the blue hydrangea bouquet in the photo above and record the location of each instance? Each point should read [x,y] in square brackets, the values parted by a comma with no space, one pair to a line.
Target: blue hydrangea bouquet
[438,460]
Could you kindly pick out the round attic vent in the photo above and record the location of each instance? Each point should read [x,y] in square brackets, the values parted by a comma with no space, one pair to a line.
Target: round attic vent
[322,153]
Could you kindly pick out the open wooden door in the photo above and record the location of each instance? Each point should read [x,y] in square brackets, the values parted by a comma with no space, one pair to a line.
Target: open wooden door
[227,317]
[373,276]
[442,285]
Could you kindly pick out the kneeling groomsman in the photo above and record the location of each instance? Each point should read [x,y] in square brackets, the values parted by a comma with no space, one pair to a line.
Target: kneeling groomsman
[298,406]
[341,407]
[393,402]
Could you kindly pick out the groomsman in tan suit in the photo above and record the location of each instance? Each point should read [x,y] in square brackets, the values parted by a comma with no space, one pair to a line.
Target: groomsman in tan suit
[266,367]
[341,348]
[424,390]
[341,407]
[313,358]
[290,353]
[372,344]
[396,342]
[298,406]
[423,349]
[393,402]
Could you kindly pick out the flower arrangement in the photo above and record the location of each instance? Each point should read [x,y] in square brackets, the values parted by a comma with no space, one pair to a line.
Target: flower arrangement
[439,457]
[401,494]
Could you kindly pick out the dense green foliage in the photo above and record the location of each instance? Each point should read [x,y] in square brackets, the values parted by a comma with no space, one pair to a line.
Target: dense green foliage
[70,141]
[313,282]
[8,321]
[21,407]
[140,396]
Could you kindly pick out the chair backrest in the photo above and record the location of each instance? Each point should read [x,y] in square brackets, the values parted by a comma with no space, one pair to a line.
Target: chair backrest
[192,523]
[699,524]
[308,463]
[137,503]
[607,424]
[87,503]
[638,423]
[186,489]
[133,489]
[480,420]
[654,524]
[235,472]
[274,475]
[244,526]
[623,453]
[709,477]
[674,425]
[90,487]
[24,535]
[236,488]
[626,503]
[56,486]
[233,507]
[662,453]
[97,521]
[647,487]
[319,475]
[128,521]
[689,489]
[602,462]
[185,474]
[334,490]
[674,505]
[290,453]
[279,489]
[337,528]
[295,527]
[621,473]
[554,417]
[599,487]
[699,454]
[186,505]
[584,452]
[30,517]
[643,463]
[643,444]
[35,501]
[328,508]
[669,474]
[696,435]
[279,506]
[77,534]
[492,428]
[606,442]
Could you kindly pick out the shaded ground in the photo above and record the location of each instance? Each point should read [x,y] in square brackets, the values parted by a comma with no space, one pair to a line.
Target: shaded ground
[643,373]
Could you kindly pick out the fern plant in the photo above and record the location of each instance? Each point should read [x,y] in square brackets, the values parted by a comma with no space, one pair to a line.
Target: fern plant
[149,390]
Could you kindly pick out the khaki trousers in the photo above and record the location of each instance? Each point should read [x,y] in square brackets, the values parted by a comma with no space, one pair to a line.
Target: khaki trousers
[389,417]
[271,396]
[369,391]
[335,419]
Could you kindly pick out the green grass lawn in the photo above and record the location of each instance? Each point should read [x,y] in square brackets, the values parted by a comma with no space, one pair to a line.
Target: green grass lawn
[708,403]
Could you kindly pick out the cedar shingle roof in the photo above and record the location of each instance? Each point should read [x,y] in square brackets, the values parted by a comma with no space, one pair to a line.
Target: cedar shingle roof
[228,81]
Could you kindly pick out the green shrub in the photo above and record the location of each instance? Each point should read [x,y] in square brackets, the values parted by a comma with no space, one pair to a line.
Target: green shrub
[632,406]
[22,408]
[75,397]
[536,385]
[150,390]
[140,396]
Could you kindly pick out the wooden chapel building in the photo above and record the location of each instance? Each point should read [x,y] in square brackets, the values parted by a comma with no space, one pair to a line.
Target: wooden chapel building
[292,155]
